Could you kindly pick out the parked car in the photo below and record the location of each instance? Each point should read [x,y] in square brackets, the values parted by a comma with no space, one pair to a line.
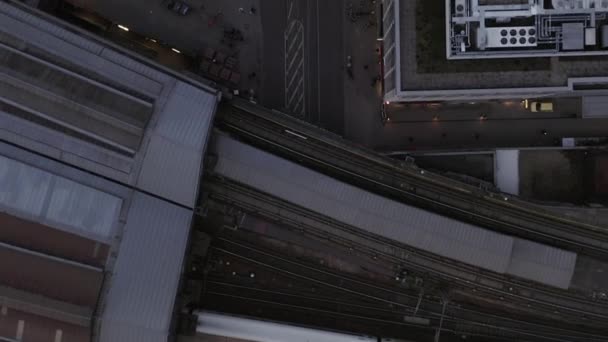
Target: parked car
[178,7]
[539,106]
[545,106]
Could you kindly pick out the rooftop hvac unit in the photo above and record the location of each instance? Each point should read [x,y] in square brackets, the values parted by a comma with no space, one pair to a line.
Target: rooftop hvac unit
[460,8]
[580,4]
[511,37]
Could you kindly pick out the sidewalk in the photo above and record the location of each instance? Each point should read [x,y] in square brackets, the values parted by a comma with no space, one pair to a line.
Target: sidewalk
[242,15]
[203,27]
[362,100]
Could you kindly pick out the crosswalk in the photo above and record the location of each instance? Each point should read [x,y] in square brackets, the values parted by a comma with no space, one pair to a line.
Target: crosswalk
[294,68]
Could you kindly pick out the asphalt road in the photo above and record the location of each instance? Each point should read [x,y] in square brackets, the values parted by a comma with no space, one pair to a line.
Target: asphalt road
[303,60]
[274,21]
[460,126]
[478,134]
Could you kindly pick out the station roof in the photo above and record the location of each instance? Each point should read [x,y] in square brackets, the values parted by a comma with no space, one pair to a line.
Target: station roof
[375,214]
[163,116]
[113,199]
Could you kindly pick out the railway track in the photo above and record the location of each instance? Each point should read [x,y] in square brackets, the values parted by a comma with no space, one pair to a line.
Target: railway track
[304,144]
[474,281]
[457,317]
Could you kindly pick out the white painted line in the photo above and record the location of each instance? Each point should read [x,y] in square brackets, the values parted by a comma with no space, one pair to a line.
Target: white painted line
[20,328]
[285,65]
[389,71]
[296,104]
[293,60]
[291,44]
[318,67]
[289,28]
[300,101]
[296,134]
[290,9]
[388,29]
[58,335]
[294,65]
[293,94]
[295,74]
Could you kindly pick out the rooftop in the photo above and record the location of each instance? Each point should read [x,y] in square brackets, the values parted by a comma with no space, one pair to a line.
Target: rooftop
[420,37]
[100,158]
[521,29]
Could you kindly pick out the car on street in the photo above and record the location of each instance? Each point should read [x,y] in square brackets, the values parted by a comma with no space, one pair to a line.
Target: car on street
[539,106]
[178,7]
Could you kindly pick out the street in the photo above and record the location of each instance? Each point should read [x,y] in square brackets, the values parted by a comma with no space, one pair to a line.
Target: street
[482,125]
[304,60]
[299,49]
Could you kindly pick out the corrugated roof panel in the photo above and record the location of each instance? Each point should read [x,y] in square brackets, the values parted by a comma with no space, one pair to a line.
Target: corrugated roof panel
[83,207]
[23,187]
[51,28]
[77,55]
[171,171]
[542,263]
[138,67]
[61,203]
[33,35]
[362,209]
[80,50]
[120,332]
[187,115]
[416,227]
[144,282]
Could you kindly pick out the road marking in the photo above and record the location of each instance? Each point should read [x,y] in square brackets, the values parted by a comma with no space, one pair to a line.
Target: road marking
[296,134]
[294,93]
[318,68]
[294,67]
[293,78]
[299,102]
[290,9]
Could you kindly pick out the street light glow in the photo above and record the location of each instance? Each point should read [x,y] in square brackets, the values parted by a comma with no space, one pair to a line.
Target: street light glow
[176,50]
[124,28]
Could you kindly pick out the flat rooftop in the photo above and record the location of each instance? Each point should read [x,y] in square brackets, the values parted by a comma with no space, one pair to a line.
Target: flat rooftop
[417,67]
[524,29]
[427,68]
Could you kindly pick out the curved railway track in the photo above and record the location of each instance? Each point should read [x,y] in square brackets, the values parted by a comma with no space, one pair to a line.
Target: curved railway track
[305,145]
[575,305]
[304,272]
